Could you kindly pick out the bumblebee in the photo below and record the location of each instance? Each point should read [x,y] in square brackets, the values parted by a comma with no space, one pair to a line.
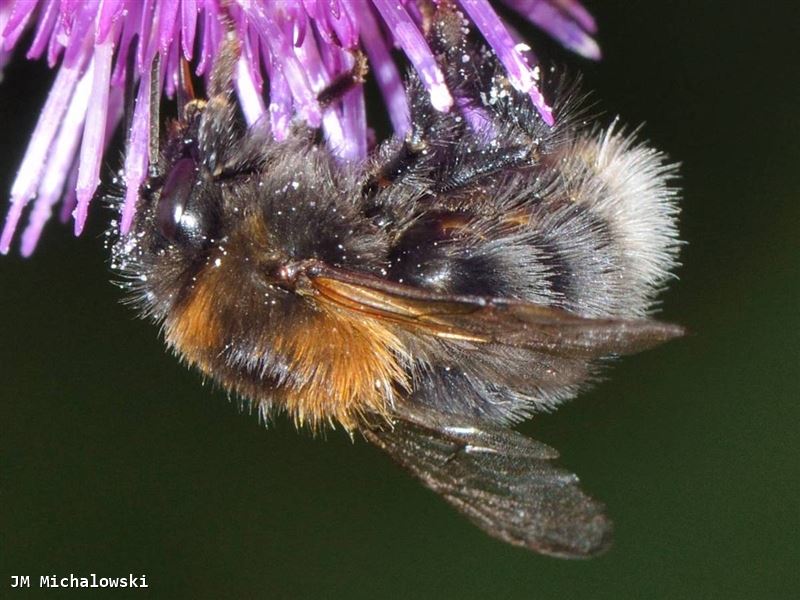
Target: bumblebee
[467,276]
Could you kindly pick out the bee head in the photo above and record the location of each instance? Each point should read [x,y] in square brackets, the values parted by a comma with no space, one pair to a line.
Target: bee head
[185,208]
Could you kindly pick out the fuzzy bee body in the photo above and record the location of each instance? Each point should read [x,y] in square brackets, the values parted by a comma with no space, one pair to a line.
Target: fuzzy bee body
[465,277]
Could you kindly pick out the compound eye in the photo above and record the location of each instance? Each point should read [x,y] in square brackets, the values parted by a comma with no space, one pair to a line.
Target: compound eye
[171,212]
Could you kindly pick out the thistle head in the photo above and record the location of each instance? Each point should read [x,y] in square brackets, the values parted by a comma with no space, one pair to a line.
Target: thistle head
[291,50]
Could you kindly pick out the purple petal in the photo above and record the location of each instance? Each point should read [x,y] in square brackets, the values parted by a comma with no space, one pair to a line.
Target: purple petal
[167,15]
[109,13]
[17,21]
[561,27]
[80,35]
[334,7]
[345,25]
[129,35]
[47,22]
[314,8]
[137,148]
[249,96]
[385,70]
[147,43]
[318,12]
[577,11]
[188,27]
[280,104]
[347,136]
[300,30]
[70,198]
[354,117]
[308,56]
[94,133]
[54,48]
[252,53]
[59,163]
[33,163]
[211,38]
[414,11]
[411,40]
[5,14]
[281,49]
[170,70]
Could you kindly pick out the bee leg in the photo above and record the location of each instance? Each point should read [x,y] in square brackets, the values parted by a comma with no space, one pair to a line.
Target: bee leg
[155,106]
[468,173]
[217,128]
[345,82]
[490,163]
[221,82]
[395,166]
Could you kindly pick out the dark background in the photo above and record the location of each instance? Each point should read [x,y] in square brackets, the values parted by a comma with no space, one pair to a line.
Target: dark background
[115,459]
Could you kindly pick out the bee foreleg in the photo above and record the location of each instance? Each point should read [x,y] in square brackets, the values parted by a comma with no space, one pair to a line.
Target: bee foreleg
[345,82]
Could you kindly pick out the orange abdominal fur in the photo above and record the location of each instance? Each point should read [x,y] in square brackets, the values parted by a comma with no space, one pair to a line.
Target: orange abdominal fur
[343,365]
[347,367]
[196,329]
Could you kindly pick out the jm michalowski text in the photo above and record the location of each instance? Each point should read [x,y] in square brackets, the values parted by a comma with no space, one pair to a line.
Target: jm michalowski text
[75,581]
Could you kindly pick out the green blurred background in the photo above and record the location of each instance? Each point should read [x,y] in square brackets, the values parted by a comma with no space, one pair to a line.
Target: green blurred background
[115,459]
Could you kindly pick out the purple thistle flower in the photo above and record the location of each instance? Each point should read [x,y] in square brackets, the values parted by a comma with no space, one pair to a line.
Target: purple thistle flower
[297,46]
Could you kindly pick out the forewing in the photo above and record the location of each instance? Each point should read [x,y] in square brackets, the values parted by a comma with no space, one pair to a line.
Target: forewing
[502,481]
[482,319]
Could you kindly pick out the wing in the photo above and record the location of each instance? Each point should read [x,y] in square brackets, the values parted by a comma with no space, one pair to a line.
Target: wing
[502,481]
[484,320]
